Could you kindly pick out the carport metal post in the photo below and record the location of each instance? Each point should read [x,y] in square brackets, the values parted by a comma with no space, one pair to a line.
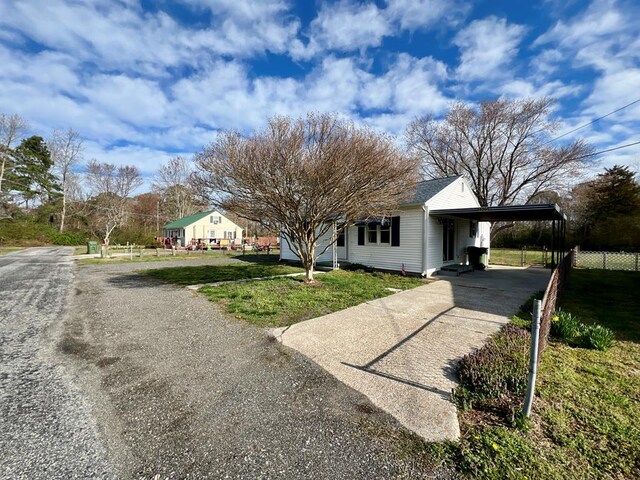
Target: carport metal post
[533,358]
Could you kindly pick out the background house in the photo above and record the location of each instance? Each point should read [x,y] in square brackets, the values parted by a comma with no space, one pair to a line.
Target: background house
[209,227]
[413,238]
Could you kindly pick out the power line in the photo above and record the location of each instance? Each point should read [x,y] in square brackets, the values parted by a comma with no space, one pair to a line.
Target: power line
[592,121]
[607,150]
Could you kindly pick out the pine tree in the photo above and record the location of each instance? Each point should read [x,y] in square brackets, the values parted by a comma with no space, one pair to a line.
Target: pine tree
[31,175]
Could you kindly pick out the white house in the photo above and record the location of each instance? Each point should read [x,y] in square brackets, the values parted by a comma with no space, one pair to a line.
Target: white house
[209,227]
[415,238]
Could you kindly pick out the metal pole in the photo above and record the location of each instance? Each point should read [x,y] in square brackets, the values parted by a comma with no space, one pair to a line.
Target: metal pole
[533,358]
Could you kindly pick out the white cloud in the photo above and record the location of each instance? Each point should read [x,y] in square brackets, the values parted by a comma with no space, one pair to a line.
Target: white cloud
[118,36]
[422,14]
[487,47]
[344,26]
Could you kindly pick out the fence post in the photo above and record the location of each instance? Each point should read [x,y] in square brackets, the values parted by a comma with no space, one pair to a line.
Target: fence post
[533,358]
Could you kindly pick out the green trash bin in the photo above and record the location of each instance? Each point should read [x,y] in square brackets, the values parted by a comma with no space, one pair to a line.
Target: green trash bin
[92,247]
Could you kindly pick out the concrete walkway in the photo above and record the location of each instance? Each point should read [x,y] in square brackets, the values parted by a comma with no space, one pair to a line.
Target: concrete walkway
[401,350]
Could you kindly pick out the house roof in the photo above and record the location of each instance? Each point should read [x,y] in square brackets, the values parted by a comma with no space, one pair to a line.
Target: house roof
[427,189]
[188,220]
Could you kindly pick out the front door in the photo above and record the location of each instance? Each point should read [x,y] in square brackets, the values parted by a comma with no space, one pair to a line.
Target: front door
[341,245]
[448,239]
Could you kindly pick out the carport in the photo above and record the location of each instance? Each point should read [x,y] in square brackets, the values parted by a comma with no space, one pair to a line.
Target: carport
[519,213]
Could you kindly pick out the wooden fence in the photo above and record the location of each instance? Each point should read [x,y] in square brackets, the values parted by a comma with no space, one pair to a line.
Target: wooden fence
[607,260]
[552,297]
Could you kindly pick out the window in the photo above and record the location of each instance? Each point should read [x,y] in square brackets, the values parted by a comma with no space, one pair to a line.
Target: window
[340,240]
[372,233]
[385,232]
[215,220]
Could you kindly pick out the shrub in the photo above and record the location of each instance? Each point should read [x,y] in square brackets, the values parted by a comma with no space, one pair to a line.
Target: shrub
[597,337]
[498,368]
[357,267]
[565,326]
[68,238]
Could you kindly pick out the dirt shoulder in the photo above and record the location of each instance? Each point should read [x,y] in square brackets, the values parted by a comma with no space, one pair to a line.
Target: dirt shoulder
[180,390]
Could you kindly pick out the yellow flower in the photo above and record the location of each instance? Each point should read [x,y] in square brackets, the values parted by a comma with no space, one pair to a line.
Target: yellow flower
[496,447]
[556,318]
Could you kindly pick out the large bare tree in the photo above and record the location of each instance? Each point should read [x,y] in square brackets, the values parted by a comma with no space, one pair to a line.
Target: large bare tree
[305,176]
[66,151]
[502,147]
[172,183]
[110,188]
[11,128]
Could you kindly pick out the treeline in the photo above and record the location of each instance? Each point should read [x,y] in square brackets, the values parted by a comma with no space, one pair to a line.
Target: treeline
[603,214]
[49,193]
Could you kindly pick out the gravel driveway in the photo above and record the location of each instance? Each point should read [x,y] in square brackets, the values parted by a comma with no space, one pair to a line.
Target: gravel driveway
[179,390]
[46,428]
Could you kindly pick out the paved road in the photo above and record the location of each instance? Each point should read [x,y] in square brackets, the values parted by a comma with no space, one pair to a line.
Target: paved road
[45,424]
[181,390]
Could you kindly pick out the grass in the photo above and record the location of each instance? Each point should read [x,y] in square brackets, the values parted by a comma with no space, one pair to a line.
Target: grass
[261,266]
[512,257]
[6,250]
[284,301]
[617,305]
[584,423]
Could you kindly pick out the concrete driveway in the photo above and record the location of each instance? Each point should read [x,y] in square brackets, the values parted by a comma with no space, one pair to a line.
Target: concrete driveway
[401,351]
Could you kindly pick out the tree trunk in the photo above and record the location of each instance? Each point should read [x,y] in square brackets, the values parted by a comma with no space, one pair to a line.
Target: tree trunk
[4,159]
[308,263]
[64,210]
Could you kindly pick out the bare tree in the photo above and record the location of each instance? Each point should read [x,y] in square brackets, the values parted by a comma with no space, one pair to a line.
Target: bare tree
[11,127]
[502,147]
[111,187]
[304,176]
[172,183]
[66,151]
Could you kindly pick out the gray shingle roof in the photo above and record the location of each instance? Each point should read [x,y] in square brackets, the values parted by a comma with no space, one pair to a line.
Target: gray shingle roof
[429,188]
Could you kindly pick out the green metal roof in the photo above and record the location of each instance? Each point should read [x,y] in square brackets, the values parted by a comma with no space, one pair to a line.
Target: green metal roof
[188,220]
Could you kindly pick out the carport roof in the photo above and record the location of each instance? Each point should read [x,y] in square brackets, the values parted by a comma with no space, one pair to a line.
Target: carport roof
[506,213]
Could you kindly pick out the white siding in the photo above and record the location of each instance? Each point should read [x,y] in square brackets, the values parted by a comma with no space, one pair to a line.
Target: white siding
[386,257]
[456,195]
[286,253]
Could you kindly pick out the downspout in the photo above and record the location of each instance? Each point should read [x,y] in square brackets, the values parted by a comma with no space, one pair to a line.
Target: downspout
[425,240]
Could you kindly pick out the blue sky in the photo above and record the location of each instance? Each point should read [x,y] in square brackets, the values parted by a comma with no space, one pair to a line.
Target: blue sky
[145,80]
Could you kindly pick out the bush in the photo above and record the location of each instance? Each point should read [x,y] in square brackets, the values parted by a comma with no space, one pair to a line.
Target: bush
[500,367]
[357,267]
[565,326]
[68,238]
[597,337]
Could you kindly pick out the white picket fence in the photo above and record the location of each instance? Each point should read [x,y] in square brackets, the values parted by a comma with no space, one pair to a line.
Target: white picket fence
[607,260]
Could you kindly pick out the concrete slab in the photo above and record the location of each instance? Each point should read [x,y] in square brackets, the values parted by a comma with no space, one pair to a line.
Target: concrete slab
[401,350]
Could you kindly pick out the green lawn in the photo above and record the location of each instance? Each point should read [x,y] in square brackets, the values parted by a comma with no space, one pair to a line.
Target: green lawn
[587,405]
[284,301]
[262,266]
[6,250]
[512,256]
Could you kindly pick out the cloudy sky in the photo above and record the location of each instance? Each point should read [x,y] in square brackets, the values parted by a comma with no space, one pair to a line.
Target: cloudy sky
[145,80]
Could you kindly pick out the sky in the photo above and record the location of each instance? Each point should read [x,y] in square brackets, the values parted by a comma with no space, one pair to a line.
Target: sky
[143,81]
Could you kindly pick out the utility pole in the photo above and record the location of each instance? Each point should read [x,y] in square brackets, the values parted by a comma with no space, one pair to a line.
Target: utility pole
[157,218]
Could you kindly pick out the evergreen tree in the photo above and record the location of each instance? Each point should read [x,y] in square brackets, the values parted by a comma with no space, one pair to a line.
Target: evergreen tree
[613,210]
[31,175]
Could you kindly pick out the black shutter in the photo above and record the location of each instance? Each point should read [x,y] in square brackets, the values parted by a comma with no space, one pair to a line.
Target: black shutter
[360,234]
[395,231]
